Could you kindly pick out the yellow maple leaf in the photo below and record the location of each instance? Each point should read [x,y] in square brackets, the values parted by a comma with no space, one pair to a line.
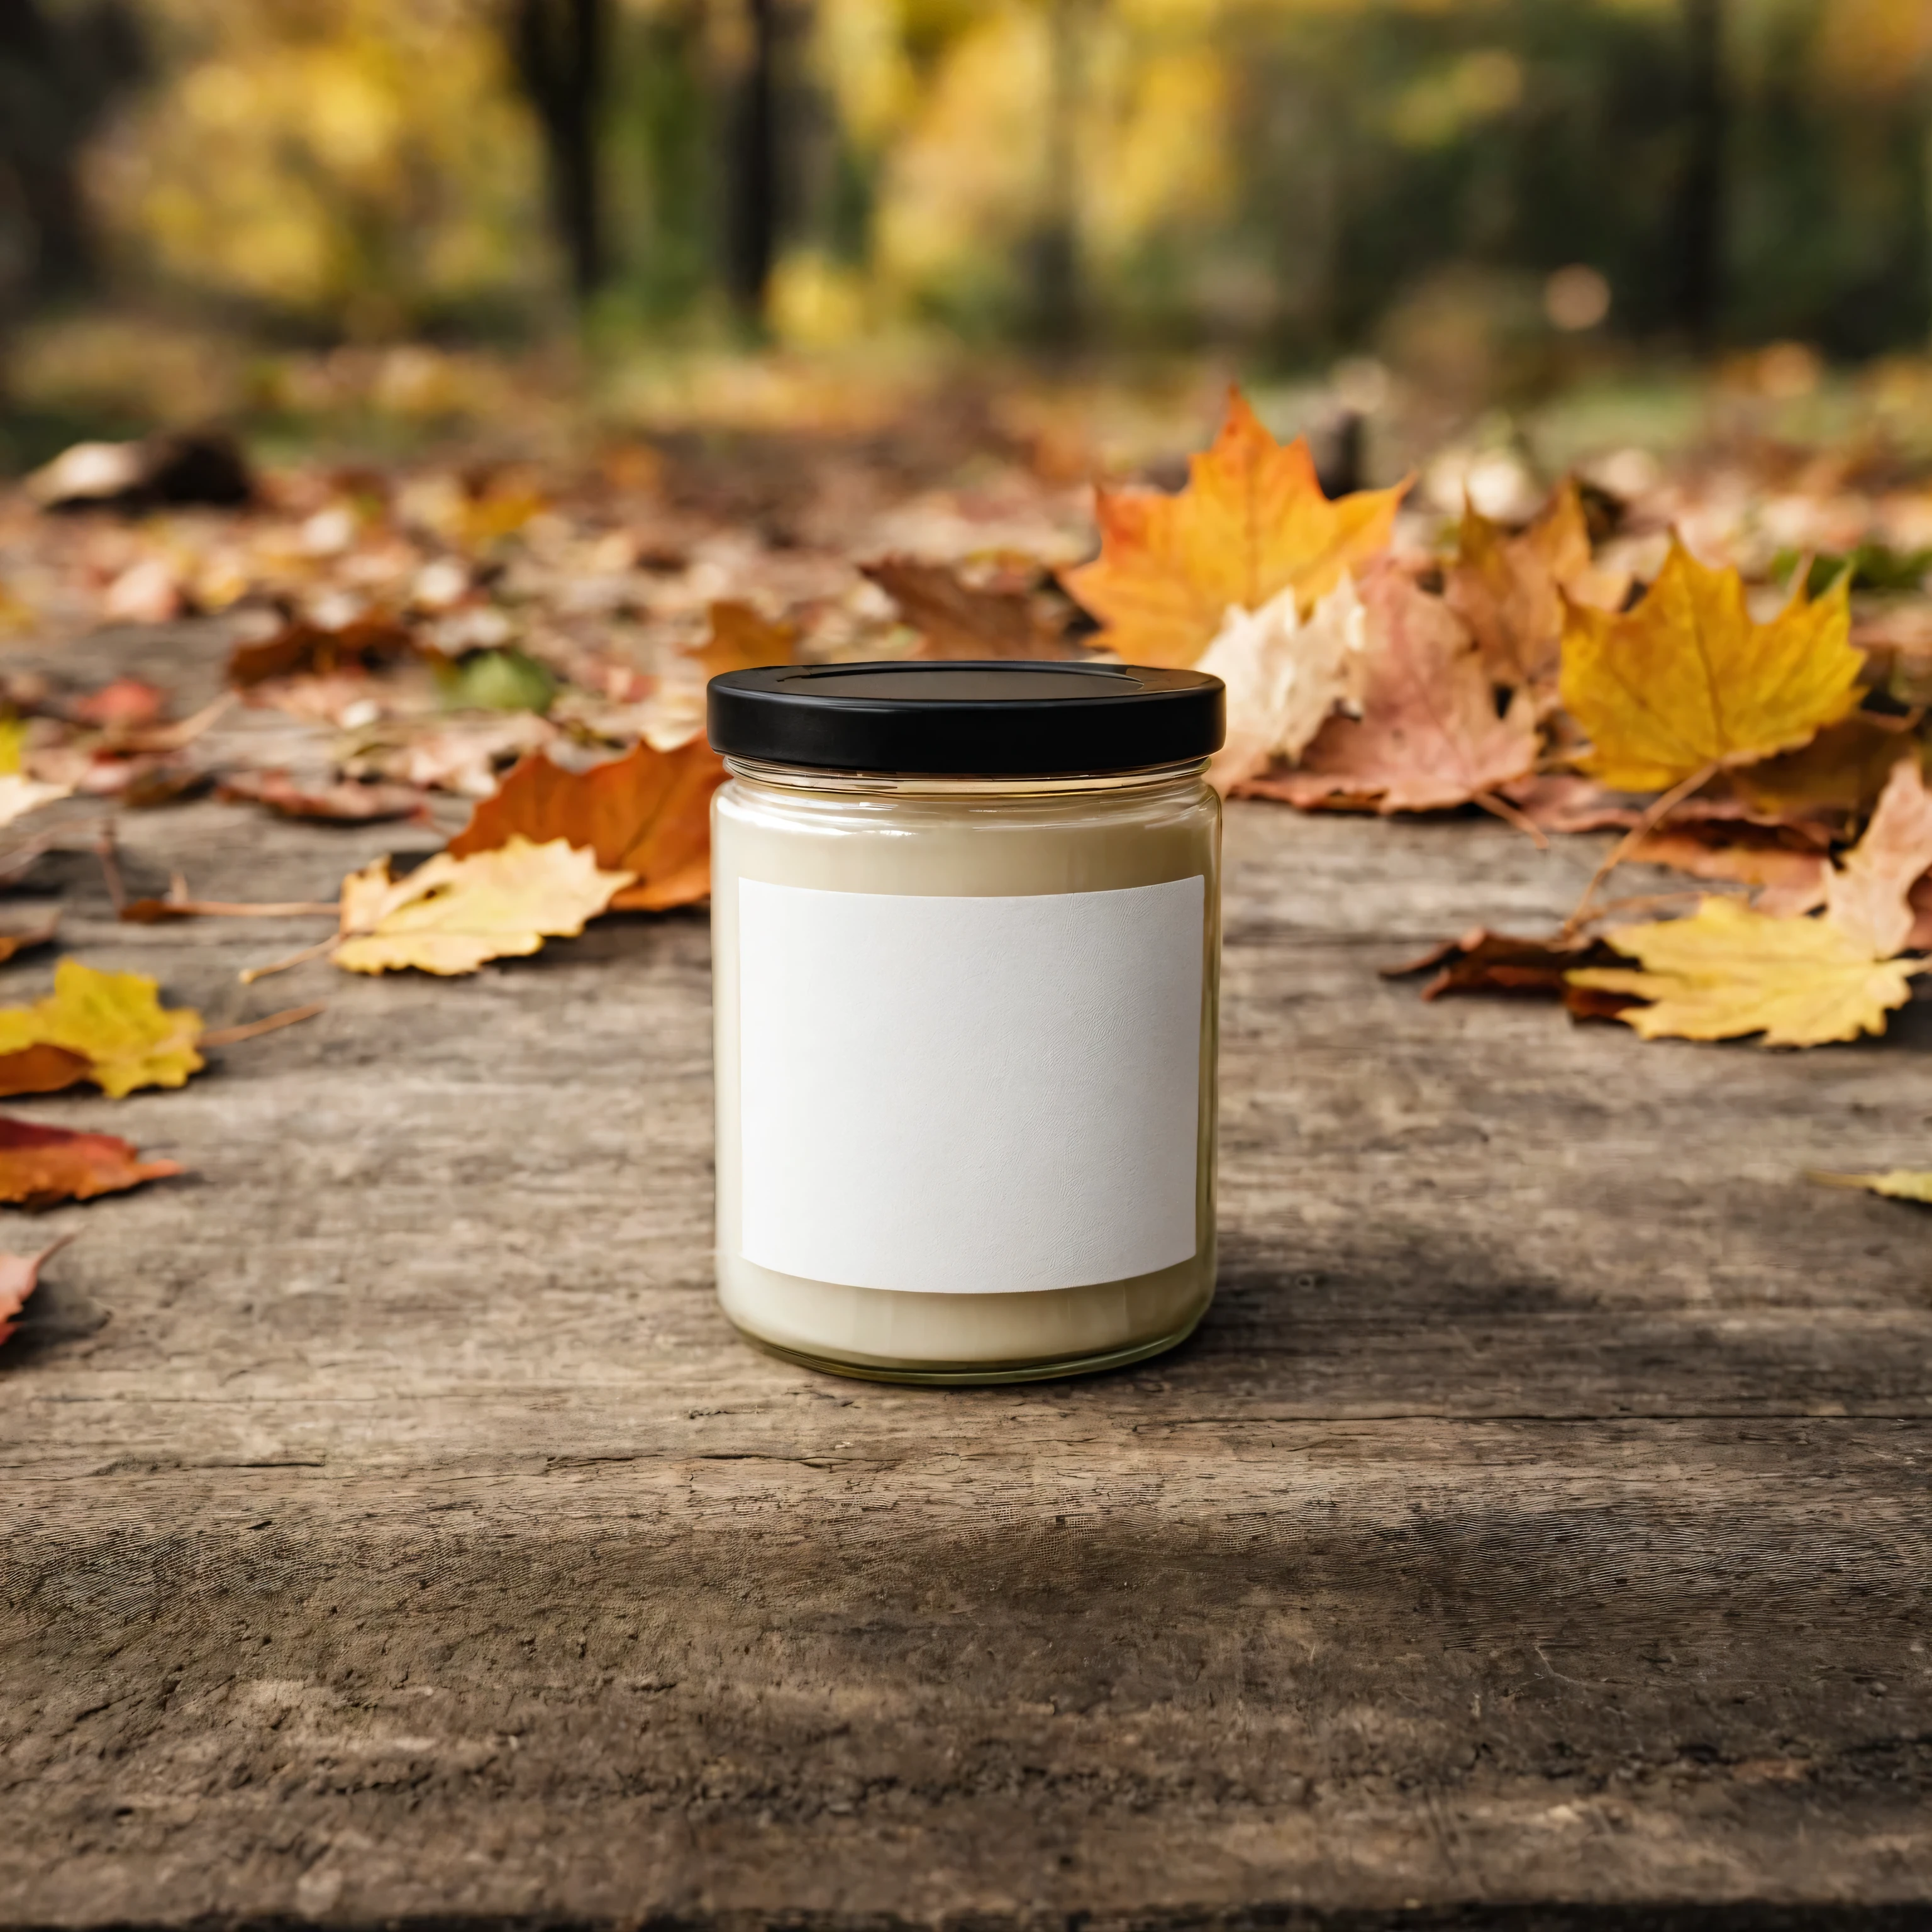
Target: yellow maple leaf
[1729,971]
[451,914]
[115,1022]
[1688,680]
[1252,523]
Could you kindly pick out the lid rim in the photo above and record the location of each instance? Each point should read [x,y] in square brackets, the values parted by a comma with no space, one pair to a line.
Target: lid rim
[988,724]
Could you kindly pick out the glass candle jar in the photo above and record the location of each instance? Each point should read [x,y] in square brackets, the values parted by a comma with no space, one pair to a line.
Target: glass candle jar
[966,935]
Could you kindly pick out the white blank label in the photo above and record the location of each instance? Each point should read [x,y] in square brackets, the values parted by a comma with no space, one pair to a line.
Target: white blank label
[970,1096]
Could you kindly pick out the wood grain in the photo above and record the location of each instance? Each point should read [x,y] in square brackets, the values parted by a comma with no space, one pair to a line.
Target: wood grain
[1536,1534]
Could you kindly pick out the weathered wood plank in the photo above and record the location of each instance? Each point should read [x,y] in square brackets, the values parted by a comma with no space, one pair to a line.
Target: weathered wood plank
[393,1528]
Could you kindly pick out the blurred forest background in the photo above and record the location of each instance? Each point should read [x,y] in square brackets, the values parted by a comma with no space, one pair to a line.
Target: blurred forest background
[280,211]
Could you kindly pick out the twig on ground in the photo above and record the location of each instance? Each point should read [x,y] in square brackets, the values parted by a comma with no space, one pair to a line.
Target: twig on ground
[249,974]
[253,1029]
[1510,815]
[1653,815]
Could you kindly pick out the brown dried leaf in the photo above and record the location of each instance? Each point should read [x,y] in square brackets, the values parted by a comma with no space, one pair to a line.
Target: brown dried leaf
[960,620]
[1482,961]
[1868,897]
[1429,737]
[1796,879]
[1509,588]
[1841,772]
[348,801]
[302,649]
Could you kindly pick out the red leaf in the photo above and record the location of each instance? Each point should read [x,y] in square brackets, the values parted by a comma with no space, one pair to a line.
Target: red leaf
[41,1167]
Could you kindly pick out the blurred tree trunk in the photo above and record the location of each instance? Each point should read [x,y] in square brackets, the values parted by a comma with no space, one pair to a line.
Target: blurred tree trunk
[560,48]
[752,162]
[1701,209]
[1054,252]
[59,72]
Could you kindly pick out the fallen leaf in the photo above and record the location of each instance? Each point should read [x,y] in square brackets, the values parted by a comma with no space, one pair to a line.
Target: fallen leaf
[12,943]
[1688,680]
[1795,881]
[460,755]
[113,1021]
[1729,970]
[1868,896]
[1482,961]
[348,801]
[496,680]
[1252,523]
[743,639]
[1429,736]
[20,1276]
[960,620]
[125,701]
[1840,774]
[1899,1183]
[451,914]
[302,649]
[149,591]
[20,796]
[41,1167]
[1559,802]
[1509,589]
[42,1068]
[1284,677]
[1920,938]
[150,784]
[648,814]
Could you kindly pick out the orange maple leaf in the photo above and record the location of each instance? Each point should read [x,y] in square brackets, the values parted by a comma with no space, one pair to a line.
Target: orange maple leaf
[648,813]
[1251,522]
[742,638]
[39,1166]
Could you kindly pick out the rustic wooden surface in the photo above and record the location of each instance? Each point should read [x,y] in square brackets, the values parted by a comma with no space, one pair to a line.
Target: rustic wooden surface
[1537,1533]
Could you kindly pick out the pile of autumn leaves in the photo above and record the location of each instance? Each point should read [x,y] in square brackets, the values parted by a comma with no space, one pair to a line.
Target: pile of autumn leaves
[1519,676]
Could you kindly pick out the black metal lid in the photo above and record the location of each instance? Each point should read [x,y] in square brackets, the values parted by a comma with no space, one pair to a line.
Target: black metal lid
[1001,719]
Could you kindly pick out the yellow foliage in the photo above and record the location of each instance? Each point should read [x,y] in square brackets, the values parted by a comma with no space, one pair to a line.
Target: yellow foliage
[451,914]
[364,159]
[1729,971]
[114,1020]
[1688,680]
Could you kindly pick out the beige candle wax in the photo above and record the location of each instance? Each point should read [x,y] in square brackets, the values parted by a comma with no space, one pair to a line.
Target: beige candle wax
[966,1026]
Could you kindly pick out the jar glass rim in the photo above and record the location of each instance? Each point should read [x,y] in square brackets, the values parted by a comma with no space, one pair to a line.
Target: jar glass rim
[813,777]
